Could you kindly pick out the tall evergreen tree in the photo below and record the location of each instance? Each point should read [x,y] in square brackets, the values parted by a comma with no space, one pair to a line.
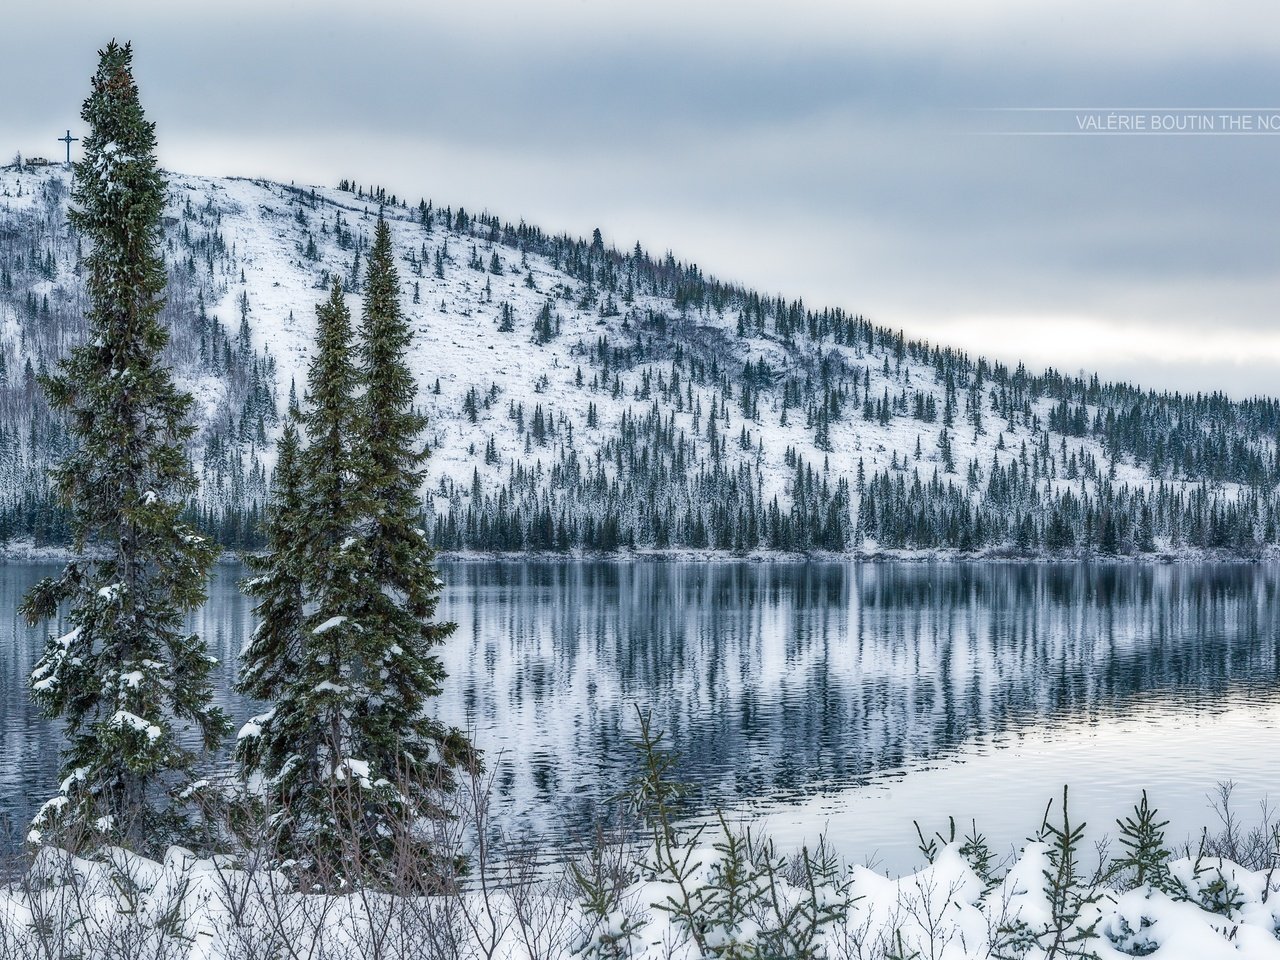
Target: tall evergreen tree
[400,588]
[127,676]
[305,651]
[268,662]
[347,598]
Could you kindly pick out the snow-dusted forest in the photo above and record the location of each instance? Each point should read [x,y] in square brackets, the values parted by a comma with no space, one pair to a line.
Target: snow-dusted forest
[588,398]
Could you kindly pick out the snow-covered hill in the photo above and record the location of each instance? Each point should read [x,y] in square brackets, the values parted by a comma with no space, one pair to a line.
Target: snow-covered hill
[586,398]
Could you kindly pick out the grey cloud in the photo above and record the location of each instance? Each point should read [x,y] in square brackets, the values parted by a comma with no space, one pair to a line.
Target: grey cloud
[830,156]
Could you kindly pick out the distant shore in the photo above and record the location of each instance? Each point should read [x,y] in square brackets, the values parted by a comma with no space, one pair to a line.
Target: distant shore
[25,551]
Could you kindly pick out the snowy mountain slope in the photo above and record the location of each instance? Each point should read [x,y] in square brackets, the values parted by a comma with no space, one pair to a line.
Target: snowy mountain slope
[583,398]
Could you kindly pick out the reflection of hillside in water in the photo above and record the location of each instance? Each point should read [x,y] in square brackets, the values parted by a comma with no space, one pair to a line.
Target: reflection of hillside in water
[776,679]
[771,679]
[29,744]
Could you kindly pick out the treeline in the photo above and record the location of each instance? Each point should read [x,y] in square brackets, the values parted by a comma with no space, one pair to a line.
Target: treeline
[715,509]
[902,511]
[895,510]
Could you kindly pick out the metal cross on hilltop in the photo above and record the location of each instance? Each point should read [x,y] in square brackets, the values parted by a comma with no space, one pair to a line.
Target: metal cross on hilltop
[68,140]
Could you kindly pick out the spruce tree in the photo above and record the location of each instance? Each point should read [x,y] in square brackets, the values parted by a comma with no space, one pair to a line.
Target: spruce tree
[347,598]
[127,677]
[399,588]
[268,662]
[308,589]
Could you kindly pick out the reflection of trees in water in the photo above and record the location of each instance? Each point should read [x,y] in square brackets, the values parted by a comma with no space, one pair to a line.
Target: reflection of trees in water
[29,744]
[770,678]
[773,678]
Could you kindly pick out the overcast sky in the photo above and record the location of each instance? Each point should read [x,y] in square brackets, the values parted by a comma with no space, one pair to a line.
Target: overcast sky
[844,152]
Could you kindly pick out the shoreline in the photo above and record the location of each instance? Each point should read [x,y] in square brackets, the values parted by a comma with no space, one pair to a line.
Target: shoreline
[24,551]
[873,557]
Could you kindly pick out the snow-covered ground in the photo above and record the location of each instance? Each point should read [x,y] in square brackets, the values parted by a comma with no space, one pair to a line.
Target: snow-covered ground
[207,910]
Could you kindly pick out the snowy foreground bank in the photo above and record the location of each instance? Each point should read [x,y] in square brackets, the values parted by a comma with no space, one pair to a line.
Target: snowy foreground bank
[123,906]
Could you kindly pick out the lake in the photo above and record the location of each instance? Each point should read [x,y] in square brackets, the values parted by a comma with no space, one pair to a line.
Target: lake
[847,697]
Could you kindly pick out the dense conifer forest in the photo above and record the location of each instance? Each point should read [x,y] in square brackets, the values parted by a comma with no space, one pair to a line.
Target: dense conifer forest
[583,398]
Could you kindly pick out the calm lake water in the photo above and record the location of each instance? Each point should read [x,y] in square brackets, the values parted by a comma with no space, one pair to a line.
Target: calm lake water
[852,698]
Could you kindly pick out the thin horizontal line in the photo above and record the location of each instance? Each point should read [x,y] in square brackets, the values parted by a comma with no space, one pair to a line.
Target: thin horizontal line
[1121,133]
[1126,109]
